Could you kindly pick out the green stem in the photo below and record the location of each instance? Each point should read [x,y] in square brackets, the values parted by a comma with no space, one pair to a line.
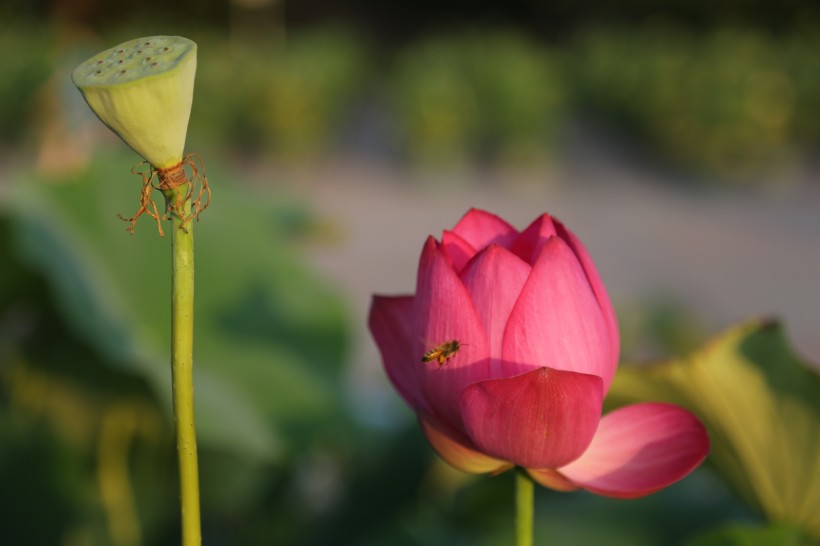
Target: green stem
[182,341]
[524,490]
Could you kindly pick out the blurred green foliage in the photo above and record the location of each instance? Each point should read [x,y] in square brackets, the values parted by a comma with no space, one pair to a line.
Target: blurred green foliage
[731,103]
[478,96]
[287,99]
[748,535]
[25,71]
[728,102]
[436,103]
[658,328]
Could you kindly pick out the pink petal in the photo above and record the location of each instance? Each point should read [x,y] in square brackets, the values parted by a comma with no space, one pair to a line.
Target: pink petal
[494,279]
[458,451]
[481,228]
[459,250]
[391,322]
[640,449]
[557,321]
[529,244]
[597,286]
[443,312]
[541,419]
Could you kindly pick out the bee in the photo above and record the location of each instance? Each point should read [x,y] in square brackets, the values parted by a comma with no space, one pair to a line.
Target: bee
[442,353]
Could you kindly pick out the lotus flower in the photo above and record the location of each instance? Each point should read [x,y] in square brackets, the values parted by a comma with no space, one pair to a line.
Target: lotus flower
[506,352]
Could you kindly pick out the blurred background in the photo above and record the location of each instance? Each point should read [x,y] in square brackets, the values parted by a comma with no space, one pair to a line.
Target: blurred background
[679,140]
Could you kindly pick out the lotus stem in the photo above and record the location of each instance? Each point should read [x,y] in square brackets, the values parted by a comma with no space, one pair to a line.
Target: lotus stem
[182,331]
[524,494]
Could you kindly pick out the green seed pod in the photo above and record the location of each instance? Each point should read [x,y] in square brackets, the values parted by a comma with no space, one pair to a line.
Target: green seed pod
[142,90]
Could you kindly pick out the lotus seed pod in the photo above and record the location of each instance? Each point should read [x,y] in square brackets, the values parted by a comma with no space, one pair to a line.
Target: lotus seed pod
[142,90]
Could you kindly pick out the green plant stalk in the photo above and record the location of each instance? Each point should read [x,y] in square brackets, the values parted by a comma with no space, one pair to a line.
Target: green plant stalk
[182,341]
[524,493]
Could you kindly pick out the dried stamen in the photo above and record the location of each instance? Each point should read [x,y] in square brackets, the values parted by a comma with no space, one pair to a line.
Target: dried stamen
[147,205]
[169,179]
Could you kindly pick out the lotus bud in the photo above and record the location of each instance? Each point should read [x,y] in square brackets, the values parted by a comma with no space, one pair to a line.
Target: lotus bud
[142,90]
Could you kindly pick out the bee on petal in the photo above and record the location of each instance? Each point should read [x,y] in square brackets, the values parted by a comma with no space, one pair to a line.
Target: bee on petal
[442,353]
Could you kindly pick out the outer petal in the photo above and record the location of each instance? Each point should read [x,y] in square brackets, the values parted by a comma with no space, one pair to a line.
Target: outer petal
[494,279]
[597,286]
[529,244]
[443,312]
[391,323]
[459,250]
[458,451]
[557,321]
[541,419]
[640,449]
[481,228]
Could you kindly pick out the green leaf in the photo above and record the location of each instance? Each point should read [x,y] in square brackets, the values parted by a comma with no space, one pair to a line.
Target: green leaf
[761,405]
[269,336]
[745,535]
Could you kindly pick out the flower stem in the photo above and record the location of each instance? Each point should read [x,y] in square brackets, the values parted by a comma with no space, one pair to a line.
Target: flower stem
[524,492]
[182,341]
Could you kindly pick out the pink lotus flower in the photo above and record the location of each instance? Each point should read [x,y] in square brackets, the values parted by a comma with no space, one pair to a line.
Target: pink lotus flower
[537,348]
